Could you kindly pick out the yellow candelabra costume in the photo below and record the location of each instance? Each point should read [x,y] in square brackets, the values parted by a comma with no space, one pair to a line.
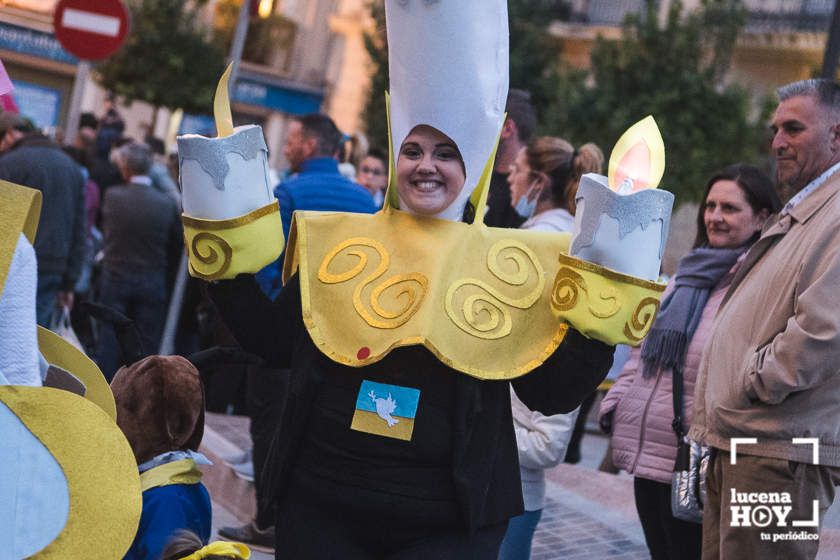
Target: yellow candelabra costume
[68,482]
[401,334]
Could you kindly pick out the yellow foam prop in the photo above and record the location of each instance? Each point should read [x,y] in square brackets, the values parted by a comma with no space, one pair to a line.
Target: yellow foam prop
[221,105]
[221,548]
[481,301]
[176,472]
[99,466]
[221,249]
[61,353]
[604,304]
[639,155]
[20,210]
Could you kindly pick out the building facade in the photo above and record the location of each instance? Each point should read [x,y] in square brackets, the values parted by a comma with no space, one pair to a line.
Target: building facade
[302,56]
[309,55]
[783,40]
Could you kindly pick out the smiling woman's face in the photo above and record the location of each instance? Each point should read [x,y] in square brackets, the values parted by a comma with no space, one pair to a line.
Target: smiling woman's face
[729,218]
[430,172]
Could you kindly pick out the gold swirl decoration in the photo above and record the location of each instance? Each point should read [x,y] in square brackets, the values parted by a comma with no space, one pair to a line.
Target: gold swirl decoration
[641,321]
[567,287]
[567,283]
[485,314]
[209,249]
[393,301]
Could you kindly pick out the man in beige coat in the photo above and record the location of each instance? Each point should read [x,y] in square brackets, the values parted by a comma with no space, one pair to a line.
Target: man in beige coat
[769,373]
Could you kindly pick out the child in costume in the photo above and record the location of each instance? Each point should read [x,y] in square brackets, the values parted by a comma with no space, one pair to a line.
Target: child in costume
[403,331]
[160,409]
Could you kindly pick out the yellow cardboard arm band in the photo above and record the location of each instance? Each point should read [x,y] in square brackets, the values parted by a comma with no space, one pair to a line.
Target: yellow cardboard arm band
[177,472]
[221,249]
[603,304]
[220,548]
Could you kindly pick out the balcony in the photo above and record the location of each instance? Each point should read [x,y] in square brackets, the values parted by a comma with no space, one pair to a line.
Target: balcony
[604,12]
[788,15]
[762,15]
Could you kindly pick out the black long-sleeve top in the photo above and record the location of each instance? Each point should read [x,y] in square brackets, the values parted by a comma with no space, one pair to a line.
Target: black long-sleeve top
[480,446]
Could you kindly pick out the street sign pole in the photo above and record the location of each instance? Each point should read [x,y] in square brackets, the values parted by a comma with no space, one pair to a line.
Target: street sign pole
[75,112]
[238,43]
[167,343]
[173,315]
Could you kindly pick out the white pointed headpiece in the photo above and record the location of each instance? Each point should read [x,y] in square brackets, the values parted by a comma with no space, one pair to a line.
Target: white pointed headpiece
[448,63]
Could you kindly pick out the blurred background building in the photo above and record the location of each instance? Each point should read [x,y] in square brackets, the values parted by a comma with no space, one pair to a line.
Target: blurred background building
[782,41]
[300,56]
[309,55]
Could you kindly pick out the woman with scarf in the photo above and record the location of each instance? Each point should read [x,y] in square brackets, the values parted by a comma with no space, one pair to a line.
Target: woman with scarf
[638,410]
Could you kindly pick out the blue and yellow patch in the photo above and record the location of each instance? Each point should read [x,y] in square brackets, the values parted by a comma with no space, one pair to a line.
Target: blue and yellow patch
[386,410]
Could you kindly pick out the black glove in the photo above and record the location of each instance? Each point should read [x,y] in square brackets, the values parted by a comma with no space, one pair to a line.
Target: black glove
[128,336]
[223,355]
[606,422]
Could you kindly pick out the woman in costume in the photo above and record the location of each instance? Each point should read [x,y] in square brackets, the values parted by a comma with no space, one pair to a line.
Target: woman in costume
[639,409]
[543,183]
[400,330]
[446,485]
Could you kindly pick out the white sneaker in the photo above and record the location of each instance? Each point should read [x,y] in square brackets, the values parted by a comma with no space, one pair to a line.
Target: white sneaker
[238,459]
[245,471]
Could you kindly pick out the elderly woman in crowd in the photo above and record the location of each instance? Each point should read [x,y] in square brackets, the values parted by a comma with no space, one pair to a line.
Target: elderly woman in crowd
[639,408]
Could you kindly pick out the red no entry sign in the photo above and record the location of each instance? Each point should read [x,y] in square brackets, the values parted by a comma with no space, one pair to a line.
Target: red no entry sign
[91,29]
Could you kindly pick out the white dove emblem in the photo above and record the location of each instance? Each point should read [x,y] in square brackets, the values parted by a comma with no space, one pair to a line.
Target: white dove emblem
[384,408]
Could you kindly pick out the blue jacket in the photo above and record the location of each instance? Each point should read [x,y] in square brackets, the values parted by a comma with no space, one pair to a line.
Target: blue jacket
[167,509]
[318,186]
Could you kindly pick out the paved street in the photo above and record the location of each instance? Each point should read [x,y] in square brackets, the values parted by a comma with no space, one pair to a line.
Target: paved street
[589,514]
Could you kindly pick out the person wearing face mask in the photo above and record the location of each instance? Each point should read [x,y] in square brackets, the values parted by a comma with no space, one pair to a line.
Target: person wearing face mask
[638,409]
[543,182]
[544,178]
[403,331]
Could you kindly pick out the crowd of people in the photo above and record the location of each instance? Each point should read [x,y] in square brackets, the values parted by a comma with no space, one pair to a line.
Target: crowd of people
[745,345]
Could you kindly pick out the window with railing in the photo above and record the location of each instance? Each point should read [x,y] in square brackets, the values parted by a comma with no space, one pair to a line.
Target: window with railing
[788,15]
[762,15]
[605,12]
[270,40]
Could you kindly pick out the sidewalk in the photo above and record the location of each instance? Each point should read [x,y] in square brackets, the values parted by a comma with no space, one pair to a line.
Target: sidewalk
[588,515]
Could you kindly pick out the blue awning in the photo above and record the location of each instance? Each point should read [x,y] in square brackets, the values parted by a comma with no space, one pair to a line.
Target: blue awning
[34,43]
[283,98]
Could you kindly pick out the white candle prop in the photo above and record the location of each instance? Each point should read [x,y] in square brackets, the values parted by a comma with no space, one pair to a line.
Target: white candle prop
[622,221]
[226,176]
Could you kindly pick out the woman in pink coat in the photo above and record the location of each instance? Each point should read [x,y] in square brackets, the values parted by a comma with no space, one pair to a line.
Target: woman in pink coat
[639,410]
